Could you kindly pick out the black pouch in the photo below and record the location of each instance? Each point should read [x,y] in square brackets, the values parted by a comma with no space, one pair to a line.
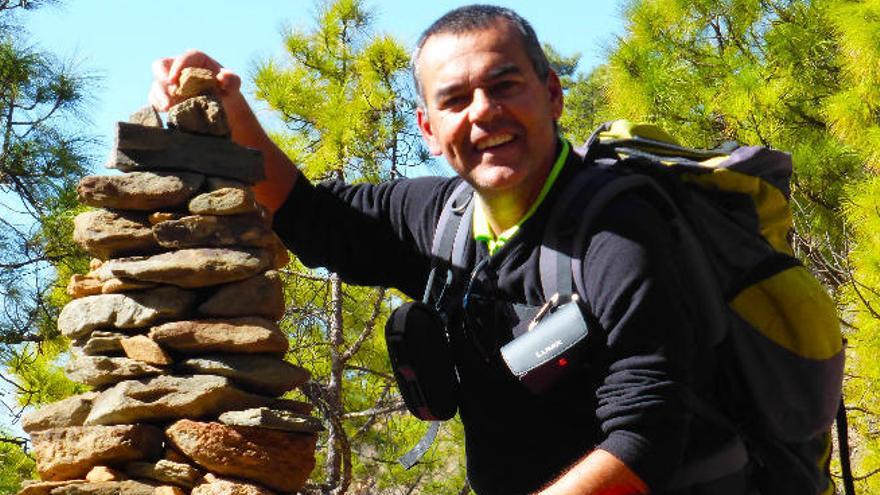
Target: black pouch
[422,361]
[556,345]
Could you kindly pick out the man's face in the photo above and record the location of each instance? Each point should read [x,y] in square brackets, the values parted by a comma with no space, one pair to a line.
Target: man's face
[487,111]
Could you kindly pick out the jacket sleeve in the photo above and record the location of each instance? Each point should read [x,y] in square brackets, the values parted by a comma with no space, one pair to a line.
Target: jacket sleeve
[370,234]
[634,289]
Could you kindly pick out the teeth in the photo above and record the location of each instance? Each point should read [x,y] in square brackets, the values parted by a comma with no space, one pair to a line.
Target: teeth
[494,141]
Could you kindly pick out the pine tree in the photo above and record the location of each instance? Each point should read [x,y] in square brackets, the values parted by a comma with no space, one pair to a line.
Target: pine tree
[801,76]
[42,155]
[344,97]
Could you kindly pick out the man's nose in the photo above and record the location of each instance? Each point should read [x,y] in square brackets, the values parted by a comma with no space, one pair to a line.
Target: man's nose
[483,106]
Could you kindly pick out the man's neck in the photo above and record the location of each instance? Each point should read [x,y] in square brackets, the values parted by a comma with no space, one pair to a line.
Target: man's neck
[504,209]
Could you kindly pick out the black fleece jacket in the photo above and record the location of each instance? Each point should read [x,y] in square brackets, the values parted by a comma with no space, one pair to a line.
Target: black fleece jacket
[629,402]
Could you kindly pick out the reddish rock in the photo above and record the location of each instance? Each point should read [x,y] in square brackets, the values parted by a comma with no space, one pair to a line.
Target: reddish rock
[142,348]
[276,459]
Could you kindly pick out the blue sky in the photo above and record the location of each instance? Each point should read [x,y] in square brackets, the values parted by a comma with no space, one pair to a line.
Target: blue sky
[118,39]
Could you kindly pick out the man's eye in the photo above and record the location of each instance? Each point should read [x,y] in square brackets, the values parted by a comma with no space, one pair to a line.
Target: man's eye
[504,88]
[453,102]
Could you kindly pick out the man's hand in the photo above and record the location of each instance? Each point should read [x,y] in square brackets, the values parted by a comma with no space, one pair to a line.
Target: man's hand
[166,75]
[599,473]
[246,129]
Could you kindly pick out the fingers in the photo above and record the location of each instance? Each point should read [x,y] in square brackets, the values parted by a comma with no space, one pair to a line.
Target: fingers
[229,82]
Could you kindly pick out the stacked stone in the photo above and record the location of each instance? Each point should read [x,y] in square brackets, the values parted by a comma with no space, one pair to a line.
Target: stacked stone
[174,326]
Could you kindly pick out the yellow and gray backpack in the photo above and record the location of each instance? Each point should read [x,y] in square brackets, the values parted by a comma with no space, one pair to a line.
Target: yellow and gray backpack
[771,324]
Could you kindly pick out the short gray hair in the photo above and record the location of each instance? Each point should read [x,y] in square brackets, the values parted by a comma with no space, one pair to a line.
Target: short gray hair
[474,18]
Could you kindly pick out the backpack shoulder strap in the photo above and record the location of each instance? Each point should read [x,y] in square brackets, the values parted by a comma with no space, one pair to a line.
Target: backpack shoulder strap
[450,237]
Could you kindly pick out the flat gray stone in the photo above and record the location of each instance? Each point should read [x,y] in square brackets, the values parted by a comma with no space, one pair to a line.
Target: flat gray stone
[37,487]
[100,371]
[199,114]
[240,335]
[213,231]
[71,411]
[101,343]
[169,397]
[141,148]
[262,295]
[191,268]
[131,310]
[257,373]
[128,487]
[176,473]
[144,191]
[263,417]
[106,233]
[70,453]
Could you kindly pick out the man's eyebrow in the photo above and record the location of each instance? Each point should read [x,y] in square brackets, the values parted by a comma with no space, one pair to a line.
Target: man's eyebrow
[493,74]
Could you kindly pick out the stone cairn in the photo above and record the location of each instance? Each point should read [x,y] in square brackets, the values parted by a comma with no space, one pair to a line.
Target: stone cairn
[174,326]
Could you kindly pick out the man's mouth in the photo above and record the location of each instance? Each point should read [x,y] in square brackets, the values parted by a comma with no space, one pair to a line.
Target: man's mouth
[493,141]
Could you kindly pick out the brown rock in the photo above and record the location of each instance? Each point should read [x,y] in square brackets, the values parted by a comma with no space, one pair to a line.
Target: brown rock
[71,411]
[45,487]
[262,295]
[166,471]
[279,460]
[280,255]
[159,217]
[129,487]
[242,335]
[132,310]
[82,285]
[69,453]
[103,473]
[146,116]
[169,490]
[106,234]
[201,115]
[145,191]
[215,485]
[225,201]
[195,81]
[175,456]
[90,285]
[141,348]
[100,371]
[213,231]
[190,268]
[169,397]
[141,148]
[264,417]
[258,373]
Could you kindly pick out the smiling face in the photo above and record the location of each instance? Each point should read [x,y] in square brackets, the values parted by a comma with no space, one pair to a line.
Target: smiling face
[487,111]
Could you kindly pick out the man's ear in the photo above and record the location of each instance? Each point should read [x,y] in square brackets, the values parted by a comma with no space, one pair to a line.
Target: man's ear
[554,86]
[427,131]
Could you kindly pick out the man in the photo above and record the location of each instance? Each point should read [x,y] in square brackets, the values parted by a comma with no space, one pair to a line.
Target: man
[490,104]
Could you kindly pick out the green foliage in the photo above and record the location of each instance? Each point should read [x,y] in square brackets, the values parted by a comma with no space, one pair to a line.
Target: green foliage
[15,465]
[344,96]
[803,76]
[42,155]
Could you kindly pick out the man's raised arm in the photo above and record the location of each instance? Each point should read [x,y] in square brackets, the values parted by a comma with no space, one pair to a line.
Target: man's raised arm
[281,173]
